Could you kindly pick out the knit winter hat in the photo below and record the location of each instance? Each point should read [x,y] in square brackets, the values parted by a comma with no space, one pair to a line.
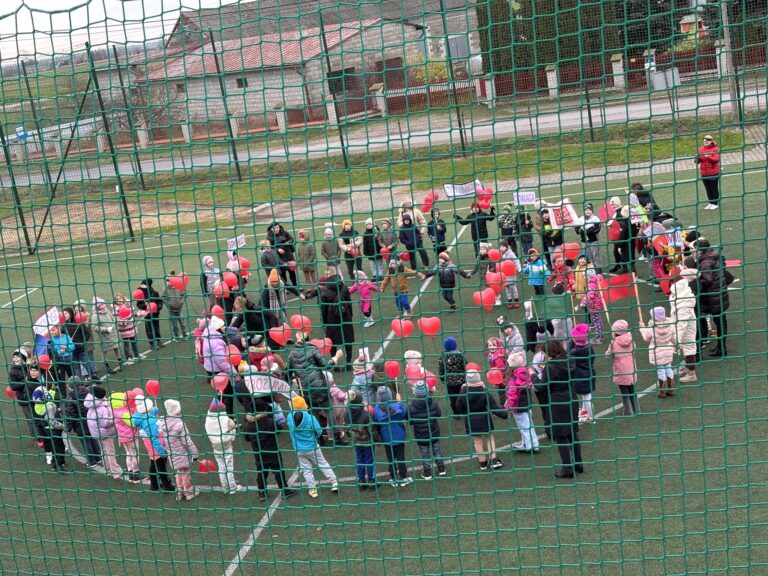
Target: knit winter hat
[274,276]
[354,397]
[369,221]
[172,407]
[215,323]
[507,208]
[591,273]
[143,405]
[615,201]
[444,256]
[533,252]
[485,246]
[659,314]
[588,206]
[620,326]
[299,403]
[450,344]
[99,392]
[328,233]
[473,377]
[580,334]
[345,222]
[358,366]
[383,394]
[420,389]
[360,275]
[22,353]
[412,357]
[216,405]
[208,261]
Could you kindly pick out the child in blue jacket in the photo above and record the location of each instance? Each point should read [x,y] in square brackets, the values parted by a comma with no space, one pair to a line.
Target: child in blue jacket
[536,270]
[305,431]
[390,417]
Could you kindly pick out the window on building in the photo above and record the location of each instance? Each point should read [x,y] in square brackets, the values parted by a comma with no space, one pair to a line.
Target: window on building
[181,88]
[341,82]
[242,82]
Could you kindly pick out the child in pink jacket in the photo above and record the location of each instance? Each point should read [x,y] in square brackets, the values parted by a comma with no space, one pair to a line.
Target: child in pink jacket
[181,448]
[662,337]
[126,434]
[621,353]
[496,357]
[594,305]
[519,404]
[365,288]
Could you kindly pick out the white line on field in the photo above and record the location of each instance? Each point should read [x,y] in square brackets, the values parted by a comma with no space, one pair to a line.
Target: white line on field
[447,209]
[27,292]
[264,522]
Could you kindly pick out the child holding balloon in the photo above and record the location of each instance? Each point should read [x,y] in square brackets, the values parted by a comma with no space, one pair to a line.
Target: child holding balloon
[173,296]
[510,265]
[181,448]
[126,329]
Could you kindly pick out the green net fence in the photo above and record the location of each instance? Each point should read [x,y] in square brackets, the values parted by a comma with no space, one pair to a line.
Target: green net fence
[495,271]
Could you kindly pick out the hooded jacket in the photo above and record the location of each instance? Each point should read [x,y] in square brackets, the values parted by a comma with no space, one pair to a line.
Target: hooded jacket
[306,364]
[424,416]
[281,240]
[406,207]
[390,418]
[304,430]
[122,415]
[220,429]
[518,397]
[708,160]
[104,320]
[370,248]
[181,448]
[305,252]
[536,271]
[215,352]
[621,352]
[508,227]
[150,295]
[101,419]
[409,234]
[662,339]
[147,425]
[582,359]
[682,305]
[713,289]
[477,404]
[360,424]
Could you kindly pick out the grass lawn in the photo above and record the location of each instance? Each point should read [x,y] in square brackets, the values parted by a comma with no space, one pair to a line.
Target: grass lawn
[678,490]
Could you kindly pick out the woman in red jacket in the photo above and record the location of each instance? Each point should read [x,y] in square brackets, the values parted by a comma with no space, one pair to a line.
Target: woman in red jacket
[708,160]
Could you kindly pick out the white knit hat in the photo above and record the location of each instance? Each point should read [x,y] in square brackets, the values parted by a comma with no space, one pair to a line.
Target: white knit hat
[172,407]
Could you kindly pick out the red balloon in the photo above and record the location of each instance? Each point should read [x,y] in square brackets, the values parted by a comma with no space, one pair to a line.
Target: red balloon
[221,290]
[493,279]
[431,381]
[44,361]
[405,257]
[433,196]
[392,369]
[185,279]
[81,317]
[485,298]
[495,376]
[494,254]
[244,265]
[218,311]
[138,294]
[414,374]
[402,328]
[483,193]
[10,393]
[61,317]
[328,344]
[177,282]
[508,268]
[233,355]
[571,250]
[292,265]
[426,207]
[318,343]
[230,279]
[123,312]
[385,252]
[204,466]
[299,322]
[220,382]
[484,203]
[281,334]
[152,308]
[473,366]
[152,387]
[430,326]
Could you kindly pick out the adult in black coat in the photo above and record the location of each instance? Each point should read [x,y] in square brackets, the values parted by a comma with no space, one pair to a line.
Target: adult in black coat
[18,381]
[477,404]
[620,234]
[713,292]
[152,319]
[261,431]
[336,314]
[249,317]
[283,244]
[80,334]
[478,220]
[559,407]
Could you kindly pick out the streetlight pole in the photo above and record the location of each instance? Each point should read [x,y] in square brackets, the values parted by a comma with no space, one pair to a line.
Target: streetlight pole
[730,68]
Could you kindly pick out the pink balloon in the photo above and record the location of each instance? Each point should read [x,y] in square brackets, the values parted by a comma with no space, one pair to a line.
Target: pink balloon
[494,254]
[281,334]
[299,322]
[431,381]
[508,268]
[414,373]
[177,282]
[392,369]
[220,382]
[153,308]
[221,290]
[495,376]
[218,311]
[233,355]
[44,361]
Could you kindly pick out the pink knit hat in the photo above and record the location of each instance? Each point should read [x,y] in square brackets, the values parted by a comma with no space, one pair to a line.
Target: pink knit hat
[580,334]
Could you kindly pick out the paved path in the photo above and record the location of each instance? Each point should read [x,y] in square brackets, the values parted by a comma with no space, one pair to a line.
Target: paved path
[567,119]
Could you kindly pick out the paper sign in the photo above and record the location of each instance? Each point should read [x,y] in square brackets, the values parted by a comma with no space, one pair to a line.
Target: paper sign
[526,198]
[235,243]
[606,212]
[562,214]
[457,191]
[48,319]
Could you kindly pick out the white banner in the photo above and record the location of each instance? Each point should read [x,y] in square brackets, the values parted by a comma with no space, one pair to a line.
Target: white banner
[561,214]
[263,385]
[48,319]
[460,190]
[525,198]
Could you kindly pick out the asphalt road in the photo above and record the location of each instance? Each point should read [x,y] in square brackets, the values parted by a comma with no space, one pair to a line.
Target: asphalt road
[564,120]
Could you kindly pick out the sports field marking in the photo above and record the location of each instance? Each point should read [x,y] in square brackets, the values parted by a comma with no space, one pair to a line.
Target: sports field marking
[264,522]
[447,209]
[27,292]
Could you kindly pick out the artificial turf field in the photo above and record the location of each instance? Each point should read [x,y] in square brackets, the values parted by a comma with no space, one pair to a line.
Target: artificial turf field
[678,490]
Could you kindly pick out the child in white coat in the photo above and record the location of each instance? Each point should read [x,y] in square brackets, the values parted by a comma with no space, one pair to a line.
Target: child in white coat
[221,433]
